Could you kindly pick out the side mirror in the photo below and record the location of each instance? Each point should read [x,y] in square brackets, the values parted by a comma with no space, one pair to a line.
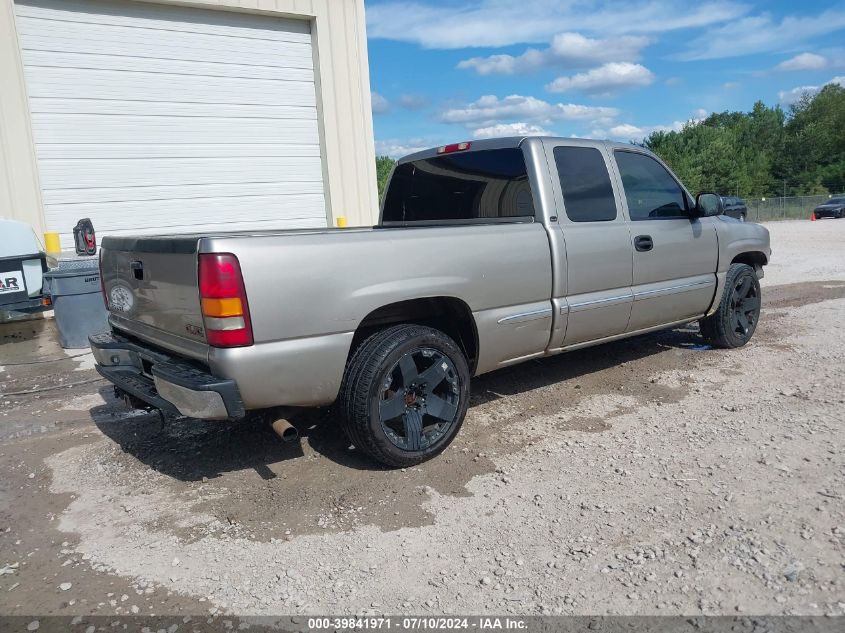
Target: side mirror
[708,205]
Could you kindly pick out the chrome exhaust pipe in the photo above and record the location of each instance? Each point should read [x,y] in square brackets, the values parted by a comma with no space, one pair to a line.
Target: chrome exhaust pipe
[285,430]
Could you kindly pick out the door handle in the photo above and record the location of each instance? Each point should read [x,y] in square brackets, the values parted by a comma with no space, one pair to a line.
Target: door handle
[643,243]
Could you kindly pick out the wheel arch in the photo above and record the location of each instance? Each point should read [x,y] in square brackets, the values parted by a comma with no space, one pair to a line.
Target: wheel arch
[450,315]
[752,258]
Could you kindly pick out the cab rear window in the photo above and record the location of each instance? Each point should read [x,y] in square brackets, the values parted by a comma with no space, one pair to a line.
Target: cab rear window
[489,185]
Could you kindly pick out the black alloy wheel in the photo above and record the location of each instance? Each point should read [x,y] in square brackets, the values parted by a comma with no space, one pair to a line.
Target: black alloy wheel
[420,399]
[745,305]
[738,313]
[405,394]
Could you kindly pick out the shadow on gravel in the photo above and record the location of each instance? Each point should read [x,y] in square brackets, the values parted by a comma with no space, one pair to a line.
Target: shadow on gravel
[191,450]
[571,366]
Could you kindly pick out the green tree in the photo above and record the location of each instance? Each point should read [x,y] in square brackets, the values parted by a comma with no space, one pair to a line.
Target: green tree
[758,152]
[728,152]
[814,142]
[383,166]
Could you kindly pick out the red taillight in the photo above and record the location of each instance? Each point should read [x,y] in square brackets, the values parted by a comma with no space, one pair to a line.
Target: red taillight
[103,283]
[454,147]
[225,310]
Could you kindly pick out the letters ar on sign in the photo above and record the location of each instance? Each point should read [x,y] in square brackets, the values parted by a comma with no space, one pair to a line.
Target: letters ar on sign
[11,281]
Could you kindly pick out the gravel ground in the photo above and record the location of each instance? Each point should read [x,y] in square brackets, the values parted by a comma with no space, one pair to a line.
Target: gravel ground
[648,476]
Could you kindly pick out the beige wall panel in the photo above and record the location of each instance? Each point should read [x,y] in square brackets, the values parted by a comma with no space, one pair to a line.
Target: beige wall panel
[20,196]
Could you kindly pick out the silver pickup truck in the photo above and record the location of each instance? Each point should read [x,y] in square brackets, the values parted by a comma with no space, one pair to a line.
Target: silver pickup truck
[486,254]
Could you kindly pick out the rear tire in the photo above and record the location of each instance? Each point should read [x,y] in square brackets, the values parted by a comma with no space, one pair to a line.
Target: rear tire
[734,321]
[405,394]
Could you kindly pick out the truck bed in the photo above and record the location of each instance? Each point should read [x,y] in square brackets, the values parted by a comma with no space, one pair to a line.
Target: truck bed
[306,301]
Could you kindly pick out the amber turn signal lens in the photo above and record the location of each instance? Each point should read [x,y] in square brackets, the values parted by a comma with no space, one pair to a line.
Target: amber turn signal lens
[222,307]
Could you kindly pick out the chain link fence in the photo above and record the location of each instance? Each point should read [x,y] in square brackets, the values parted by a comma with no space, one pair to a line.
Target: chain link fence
[790,208]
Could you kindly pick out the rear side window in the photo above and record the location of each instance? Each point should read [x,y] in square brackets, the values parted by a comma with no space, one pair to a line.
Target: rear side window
[650,190]
[487,184]
[587,193]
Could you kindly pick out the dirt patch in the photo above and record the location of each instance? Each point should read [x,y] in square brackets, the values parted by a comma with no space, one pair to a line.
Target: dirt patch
[43,559]
[795,295]
[249,483]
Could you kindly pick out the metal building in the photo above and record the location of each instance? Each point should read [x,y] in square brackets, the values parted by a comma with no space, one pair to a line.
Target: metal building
[170,116]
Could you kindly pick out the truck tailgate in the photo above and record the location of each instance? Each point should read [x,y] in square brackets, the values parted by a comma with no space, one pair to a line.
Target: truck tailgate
[151,287]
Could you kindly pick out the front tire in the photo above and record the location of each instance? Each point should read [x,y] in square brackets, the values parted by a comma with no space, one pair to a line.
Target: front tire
[733,323]
[405,394]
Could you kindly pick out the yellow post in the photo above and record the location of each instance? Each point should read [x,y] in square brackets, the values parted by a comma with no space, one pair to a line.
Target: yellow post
[52,243]
[341,221]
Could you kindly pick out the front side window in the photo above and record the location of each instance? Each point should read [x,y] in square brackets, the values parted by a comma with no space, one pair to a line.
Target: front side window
[587,193]
[650,190]
[485,184]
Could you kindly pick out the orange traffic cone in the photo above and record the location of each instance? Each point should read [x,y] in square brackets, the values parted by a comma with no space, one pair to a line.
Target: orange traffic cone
[813,216]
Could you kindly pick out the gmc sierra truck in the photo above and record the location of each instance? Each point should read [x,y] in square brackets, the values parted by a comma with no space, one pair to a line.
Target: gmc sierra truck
[486,254]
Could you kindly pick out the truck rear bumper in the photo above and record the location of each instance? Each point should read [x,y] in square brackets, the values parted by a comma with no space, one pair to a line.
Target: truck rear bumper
[163,381]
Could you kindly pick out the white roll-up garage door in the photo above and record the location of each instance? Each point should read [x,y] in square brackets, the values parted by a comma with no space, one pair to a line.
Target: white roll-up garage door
[153,118]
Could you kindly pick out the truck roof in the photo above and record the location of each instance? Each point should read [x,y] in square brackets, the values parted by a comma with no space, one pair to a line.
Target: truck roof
[513,141]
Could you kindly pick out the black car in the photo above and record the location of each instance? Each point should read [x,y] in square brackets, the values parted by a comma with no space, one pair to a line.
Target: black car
[833,208]
[735,207]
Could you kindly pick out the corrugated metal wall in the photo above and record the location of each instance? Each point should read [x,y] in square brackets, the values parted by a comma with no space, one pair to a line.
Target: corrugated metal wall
[339,37]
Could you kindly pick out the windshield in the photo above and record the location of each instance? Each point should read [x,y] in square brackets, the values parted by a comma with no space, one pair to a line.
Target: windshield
[836,201]
[480,185]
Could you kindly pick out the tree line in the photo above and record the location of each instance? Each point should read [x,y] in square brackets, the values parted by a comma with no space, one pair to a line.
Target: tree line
[766,152]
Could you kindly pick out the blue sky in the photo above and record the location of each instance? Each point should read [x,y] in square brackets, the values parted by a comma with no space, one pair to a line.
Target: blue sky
[451,71]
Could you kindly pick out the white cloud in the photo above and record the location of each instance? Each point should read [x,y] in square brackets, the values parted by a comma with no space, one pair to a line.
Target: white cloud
[510,129]
[804,61]
[380,104]
[490,110]
[762,34]
[788,97]
[568,50]
[623,131]
[396,148]
[605,80]
[636,133]
[478,23]
[730,85]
